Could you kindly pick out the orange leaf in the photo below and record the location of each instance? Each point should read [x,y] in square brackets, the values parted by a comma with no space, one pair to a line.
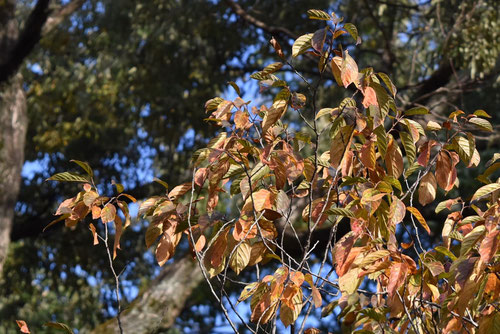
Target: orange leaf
[397,277]
[420,218]
[263,199]
[23,327]
[446,174]
[94,233]
[489,245]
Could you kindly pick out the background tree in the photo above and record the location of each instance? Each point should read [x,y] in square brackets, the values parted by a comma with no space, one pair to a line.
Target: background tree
[129,111]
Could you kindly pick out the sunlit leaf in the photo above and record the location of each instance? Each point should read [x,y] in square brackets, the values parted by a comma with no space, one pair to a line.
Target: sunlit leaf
[316,14]
[301,45]
[427,189]
[240,258]
[485,190]
[353,31]
[481,123]
[420,218]
[68,177]
[108,213]
[85,166]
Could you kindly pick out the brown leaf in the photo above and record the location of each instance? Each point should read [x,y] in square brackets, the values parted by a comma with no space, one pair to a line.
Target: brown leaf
[108,213]
[241,119]
[96,212]
[277,47]
[427,189]
[367,155]
[118,234]
[489,245]
[218,249]
[340,145]
[446,174]
[164,250]
[66,206]
[397,211]
[394,159]
[273,114]
[263,199]
[179,191]
[94,233]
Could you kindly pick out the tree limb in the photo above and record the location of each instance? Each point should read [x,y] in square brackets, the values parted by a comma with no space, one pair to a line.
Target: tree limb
[258,23]
[38,24]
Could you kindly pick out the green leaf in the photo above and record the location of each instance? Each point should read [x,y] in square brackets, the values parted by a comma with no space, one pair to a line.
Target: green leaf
[373,256]
[85,166]
[271,68]
[163,183]
[393,181]
[301,45]
[68,177]
[235,87]
[485,190]
[411,169]
[353,31]
[385,78]
[152,233]
[381,139]
[481,113]
[471,239]
[481,124]
[248,291]
[329,308]
[417,111]
[409,145]
[316,14]
[59,326]
[495,157]
[341,212]
[446,252]
[119,186]
[325,111]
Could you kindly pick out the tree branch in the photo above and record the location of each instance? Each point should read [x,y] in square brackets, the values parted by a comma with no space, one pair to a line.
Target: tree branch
[38,24]
[26,40]
[258,23]
[56,18]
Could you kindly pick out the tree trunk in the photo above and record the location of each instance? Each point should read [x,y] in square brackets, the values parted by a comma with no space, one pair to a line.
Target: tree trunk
[157,308]
[13,125]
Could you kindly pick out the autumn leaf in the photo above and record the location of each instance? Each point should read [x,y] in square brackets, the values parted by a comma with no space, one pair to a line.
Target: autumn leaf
[108,213]
[427,189]
[397,277]
[23,327]
[420,218]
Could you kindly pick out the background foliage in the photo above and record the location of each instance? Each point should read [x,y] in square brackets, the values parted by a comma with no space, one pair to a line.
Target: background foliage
[121,85]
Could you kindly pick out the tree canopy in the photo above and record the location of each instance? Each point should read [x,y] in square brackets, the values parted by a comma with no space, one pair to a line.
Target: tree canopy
[122,86]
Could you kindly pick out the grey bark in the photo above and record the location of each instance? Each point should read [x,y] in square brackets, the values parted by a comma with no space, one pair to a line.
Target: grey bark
[156,308]
[13,125]
[14,48]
